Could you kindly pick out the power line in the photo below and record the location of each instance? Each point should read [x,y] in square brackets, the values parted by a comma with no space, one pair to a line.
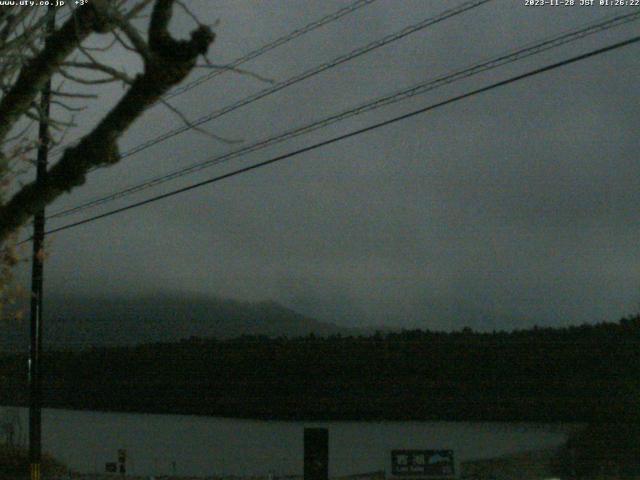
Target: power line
[270,46]
[338,138]
[262,50]
[309,73]
[423,87]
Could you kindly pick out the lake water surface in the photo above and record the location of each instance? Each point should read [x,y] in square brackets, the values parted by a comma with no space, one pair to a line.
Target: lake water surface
[196,445]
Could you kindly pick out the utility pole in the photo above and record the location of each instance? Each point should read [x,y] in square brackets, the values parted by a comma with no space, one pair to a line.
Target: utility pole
[35,348]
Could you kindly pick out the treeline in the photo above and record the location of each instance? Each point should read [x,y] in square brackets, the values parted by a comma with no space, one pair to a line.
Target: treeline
[582,373]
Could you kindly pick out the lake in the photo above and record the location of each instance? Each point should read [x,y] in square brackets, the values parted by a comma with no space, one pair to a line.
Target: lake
[197,445]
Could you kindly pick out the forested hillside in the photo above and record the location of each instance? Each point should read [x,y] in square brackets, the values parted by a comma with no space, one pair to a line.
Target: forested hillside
[572,374]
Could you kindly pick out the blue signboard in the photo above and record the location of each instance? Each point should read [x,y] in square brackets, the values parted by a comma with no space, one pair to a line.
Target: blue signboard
[422,463]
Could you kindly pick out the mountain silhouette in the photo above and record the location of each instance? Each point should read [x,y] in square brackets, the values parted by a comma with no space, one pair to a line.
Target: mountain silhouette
[74,322]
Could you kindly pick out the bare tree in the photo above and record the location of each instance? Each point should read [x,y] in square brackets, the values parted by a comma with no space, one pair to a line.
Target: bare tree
[71,55]
[27,64]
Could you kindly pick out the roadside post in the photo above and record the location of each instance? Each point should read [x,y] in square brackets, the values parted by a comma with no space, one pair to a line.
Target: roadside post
[316,454]
[122,459]
[37,269]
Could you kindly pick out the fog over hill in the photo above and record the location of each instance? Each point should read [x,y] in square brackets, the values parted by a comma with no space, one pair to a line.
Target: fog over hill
[82,322]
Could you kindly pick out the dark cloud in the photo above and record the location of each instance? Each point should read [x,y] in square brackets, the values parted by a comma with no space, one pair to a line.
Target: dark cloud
[514,207]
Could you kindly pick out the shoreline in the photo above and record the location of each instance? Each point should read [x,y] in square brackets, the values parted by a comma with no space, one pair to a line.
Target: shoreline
[560,423]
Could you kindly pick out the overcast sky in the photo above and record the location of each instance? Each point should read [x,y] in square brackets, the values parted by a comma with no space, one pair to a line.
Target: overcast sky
[508,209]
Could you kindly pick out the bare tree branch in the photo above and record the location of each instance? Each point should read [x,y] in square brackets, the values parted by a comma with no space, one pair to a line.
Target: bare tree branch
[33,75]
[68,107]
[114,73]
[86,81]
[118,20]
[189,12]
[59,93]
[189,124]
[167,62]
[136,9]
